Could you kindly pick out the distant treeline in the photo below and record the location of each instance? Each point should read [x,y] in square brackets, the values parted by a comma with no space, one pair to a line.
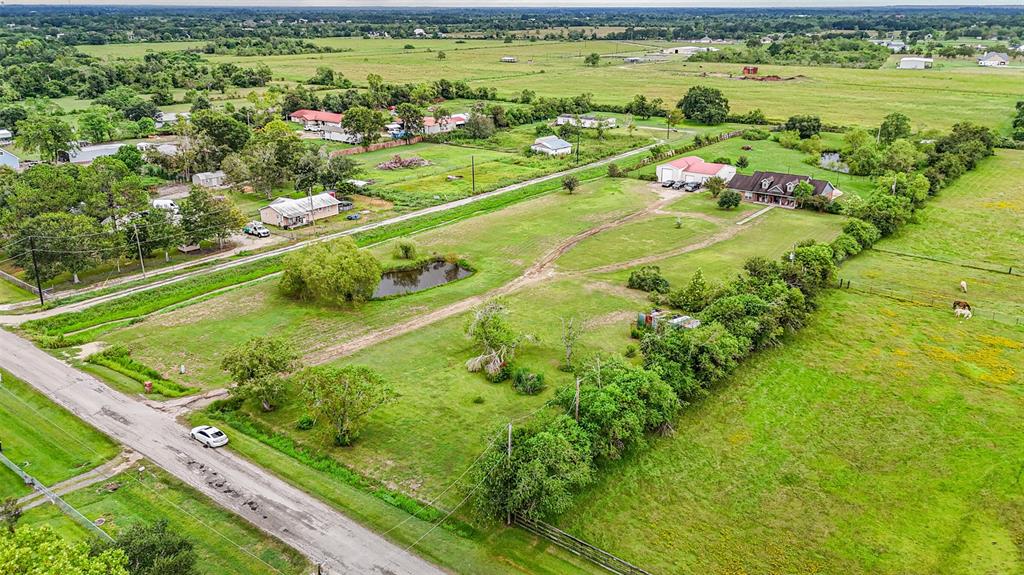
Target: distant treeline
[803,50]
[100,25]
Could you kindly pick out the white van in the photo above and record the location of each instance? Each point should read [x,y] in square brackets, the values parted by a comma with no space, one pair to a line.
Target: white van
[166,205]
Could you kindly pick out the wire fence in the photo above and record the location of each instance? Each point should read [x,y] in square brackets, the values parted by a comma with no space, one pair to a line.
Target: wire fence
[579,547]
[930,300]
[57,500]
[1013,270]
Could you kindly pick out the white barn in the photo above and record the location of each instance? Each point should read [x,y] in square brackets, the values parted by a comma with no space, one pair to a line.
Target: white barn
[694,169]
[552,146]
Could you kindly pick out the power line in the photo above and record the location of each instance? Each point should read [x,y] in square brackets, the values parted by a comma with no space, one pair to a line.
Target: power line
[108,475]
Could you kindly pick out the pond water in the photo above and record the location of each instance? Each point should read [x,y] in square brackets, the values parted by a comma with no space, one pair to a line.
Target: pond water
[833,161]
[432,274]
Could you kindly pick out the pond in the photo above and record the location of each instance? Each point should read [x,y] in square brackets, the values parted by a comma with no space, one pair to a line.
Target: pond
[833,161]
[435,273]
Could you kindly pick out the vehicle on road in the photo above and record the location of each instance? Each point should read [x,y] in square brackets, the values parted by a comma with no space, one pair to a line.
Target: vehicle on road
[256,229]
[209,436]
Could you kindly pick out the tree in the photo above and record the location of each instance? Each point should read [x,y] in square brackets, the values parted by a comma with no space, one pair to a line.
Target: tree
[441,55]
[695,296]
[324,76]
[257,367]
[64,242]
[338,170]
[412,119]
[48,135]
[715,185]
[805,125]
[705,105]
[96,124]
[154,549]
[41,550]
[496,339]
[742,162]
[570,183]
[162,96]
[204,217]
[344,396]
[335,273]
[886,212]
[901,156]
[571,332]
[200,102]
[131,157]
[802,192]
[550,459]
[157,231]
[479,126]
[729,199]
[309,169]
[10,513]
[895,126]
[364,122]
[673,118]
[10,115]
[222,134]
[592,59]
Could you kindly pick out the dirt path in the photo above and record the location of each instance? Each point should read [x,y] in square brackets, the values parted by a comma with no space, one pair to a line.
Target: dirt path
[542,270]
[121,463]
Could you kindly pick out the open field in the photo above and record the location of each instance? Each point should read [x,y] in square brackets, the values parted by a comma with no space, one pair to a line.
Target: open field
[10,293]
[224,543]
[885,437]
[33,430]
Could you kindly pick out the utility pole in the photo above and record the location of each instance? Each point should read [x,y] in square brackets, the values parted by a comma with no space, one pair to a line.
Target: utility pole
[35,268]
[579,133]
[138,244]
[472,161]
[312,218]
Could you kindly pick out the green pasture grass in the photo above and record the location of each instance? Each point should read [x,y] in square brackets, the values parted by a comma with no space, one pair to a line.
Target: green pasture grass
[883,438]
[48,442]
[650,235]
[135,49]
[224,542]
[499,245]
[702,203]
[10,293]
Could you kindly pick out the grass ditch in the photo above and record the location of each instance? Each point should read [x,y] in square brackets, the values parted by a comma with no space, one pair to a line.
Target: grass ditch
[119,359]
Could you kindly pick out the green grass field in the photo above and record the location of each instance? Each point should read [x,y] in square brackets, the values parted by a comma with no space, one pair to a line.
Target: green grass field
[47,441]
[224,543]
[10,293]
[883,438]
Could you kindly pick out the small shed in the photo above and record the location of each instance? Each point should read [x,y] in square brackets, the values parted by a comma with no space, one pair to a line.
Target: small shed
[658,317]
[509,59]
[915,63]
[750,70]
[209,179]
[552,146]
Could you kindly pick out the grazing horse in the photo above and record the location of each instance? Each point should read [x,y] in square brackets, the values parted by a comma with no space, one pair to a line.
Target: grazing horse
[963,286]
[962,309]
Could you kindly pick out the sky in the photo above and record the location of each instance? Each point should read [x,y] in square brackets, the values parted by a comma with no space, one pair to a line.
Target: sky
[527,3]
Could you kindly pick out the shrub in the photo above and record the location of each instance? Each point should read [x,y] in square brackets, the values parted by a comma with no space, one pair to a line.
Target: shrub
[305,423]
[728,199]
[754,134]
[788,139]
[844,246]
[804,125]
[631,350]
[404,250]
[335,272]
[742,162]
[723,160]
[649,279]
[864,232]
[478,399]
[527,382]
[500,375]
[614,171]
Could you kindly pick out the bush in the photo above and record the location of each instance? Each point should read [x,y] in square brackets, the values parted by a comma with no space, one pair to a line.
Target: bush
[614,171]
[527,382]
[631,350]
[649,279]
[864,232]
[729,199]
[804,125]
[335,272]
[788,139]
[723,160]
[755,134]
[404,250]
[305,423]
[742,162]
[503,373]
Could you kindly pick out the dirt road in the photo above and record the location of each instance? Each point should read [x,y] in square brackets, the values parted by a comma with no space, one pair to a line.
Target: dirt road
[309,525]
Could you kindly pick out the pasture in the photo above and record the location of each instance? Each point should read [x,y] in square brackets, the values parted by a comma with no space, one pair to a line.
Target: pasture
[883,438]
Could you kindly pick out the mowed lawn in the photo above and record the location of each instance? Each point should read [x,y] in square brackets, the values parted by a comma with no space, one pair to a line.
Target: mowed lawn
[883,438]
[47,441]
[225,544]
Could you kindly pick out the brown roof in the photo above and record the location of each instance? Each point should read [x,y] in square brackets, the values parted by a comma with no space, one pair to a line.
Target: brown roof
[777,183]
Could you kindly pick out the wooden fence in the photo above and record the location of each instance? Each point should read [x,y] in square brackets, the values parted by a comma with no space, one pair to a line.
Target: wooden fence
[579,547]
[931,300]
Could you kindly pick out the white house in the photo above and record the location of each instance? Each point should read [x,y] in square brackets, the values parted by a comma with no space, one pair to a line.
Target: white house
[9,160]
[314,120]
[290,213]
[694,169]
[432,126]
[419,32]
[994,59]
[209,179]
[587,121]
[552,146]
[339,134]
[915,63]
[6,136]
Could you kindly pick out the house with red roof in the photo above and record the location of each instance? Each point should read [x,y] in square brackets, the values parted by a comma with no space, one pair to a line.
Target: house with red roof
[316,120]
[432,126]
[694,169]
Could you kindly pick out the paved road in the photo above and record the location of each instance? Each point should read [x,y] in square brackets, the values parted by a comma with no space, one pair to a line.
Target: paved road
[19,319]
[309,525]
